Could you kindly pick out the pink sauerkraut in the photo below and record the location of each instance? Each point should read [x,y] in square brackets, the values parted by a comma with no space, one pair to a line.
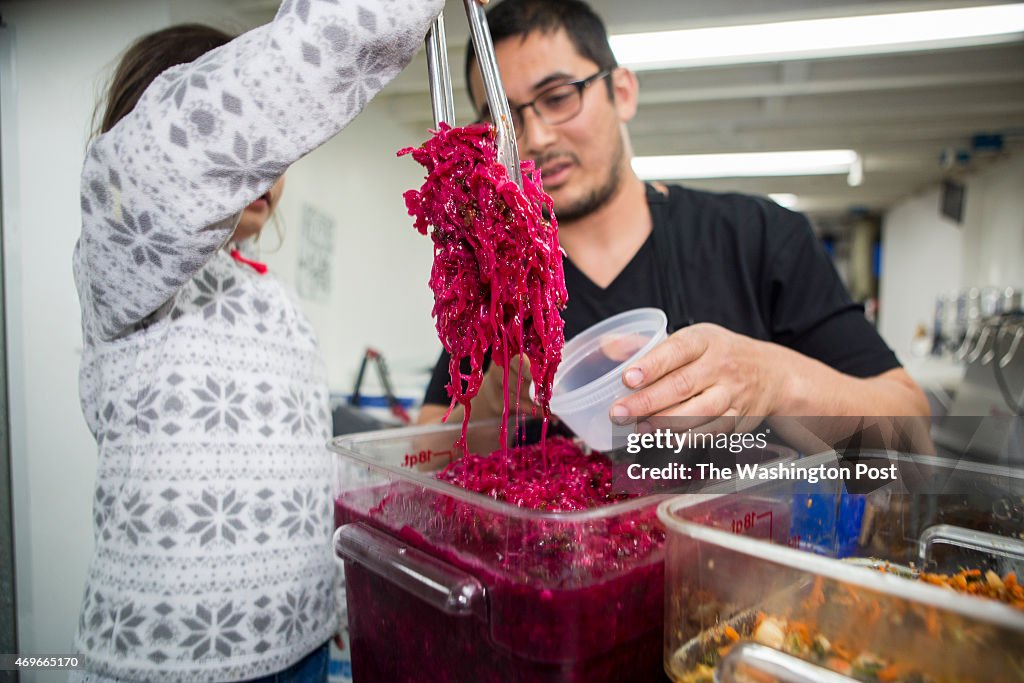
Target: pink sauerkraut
[497,275]
[557,476]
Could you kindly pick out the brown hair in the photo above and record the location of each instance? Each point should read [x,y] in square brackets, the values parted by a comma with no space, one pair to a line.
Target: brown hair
[147,58]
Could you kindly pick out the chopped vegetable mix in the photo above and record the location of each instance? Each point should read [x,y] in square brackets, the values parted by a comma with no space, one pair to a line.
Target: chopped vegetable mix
[855,618]
[988,585]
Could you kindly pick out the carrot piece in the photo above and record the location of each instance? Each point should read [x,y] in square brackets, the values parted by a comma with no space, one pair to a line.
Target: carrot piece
[841,651]
[801,630]
[816,597]
[932,622]
[891,672]
[838,665]
[874,612]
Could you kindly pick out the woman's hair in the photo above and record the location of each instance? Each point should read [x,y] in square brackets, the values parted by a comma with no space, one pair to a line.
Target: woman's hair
[521,17]
[147,58]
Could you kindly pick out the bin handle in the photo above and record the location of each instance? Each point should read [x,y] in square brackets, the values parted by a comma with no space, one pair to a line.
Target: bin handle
[783,667]
[442,586]
[980,541]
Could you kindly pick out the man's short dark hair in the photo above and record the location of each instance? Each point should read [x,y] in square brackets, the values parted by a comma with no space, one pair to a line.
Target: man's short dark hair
[521,17]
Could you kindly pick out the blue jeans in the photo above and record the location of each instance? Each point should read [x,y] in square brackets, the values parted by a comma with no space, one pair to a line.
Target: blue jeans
[310,669]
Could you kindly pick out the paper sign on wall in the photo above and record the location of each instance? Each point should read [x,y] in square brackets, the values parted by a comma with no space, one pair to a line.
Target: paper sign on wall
[316,247]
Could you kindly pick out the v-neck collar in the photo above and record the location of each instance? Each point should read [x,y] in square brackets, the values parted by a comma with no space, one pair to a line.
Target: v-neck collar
[653,197]
[623,276]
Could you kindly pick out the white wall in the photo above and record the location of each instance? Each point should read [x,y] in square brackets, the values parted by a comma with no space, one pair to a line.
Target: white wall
[926,255]
[379,293]
[994,229]
[921,259]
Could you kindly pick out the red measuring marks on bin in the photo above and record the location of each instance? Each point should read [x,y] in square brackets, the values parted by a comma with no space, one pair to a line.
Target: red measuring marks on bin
[425,457]
[765,519]
[754,524]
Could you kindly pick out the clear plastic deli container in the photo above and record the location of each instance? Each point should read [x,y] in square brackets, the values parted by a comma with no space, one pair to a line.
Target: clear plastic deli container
[747,592]
[589,379]
[448,585]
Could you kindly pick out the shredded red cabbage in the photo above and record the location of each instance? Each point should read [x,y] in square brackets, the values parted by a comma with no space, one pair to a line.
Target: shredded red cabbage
[559,477]
[497,275]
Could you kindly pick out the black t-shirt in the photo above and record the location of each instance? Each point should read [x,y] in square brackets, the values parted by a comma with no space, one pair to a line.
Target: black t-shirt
[738,261]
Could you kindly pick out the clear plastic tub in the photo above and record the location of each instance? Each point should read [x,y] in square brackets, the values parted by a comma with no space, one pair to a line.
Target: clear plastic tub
[942,516]
[447,585]
[589,378]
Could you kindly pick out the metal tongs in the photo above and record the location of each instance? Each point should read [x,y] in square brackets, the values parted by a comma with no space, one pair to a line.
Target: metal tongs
[441,84]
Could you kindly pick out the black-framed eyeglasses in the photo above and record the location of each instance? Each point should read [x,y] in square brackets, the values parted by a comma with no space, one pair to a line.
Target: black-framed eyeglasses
[555,105]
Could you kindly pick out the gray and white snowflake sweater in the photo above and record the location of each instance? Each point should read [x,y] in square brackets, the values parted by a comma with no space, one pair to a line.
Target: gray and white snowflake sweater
[201,380]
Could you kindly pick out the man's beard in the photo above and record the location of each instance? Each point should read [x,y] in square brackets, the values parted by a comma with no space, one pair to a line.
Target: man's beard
[597,197]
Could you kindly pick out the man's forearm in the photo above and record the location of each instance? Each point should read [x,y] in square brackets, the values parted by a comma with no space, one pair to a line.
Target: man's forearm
[809,387]
[819,407]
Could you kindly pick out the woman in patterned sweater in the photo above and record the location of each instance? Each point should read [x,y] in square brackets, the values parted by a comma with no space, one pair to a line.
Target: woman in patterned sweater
[201,380]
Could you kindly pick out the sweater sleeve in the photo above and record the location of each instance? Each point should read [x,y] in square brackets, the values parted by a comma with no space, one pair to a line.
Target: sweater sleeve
[164,188]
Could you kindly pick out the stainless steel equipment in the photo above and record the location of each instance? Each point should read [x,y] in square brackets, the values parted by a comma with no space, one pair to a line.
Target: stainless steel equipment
[439,76]
[992,391]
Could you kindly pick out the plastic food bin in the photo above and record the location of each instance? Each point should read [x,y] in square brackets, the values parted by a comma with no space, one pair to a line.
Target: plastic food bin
[732,564]
[448,585]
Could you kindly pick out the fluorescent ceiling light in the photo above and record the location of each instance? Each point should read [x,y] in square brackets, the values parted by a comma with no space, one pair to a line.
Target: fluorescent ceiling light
[784,199]
[747,165]
[815,38]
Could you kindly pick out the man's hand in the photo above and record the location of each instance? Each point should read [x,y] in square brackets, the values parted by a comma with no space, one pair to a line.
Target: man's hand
[707,377]
[702,371]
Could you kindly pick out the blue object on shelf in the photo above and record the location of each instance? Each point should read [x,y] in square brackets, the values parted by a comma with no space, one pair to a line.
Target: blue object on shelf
[987,142]
[827,523]
[381,401]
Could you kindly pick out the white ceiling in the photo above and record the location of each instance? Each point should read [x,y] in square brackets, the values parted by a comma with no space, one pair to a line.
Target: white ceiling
[900,112]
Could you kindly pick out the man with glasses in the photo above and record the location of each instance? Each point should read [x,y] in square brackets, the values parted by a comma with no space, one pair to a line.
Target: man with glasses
[760,323]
